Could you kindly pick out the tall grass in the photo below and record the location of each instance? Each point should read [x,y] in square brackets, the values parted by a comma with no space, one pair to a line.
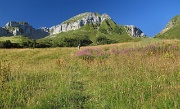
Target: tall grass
[131,75]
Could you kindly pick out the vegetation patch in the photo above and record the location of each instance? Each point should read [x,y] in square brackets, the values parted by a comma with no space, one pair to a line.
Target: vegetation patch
[129,75]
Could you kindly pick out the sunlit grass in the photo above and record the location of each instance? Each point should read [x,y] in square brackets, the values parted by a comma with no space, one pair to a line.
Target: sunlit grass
[132,75]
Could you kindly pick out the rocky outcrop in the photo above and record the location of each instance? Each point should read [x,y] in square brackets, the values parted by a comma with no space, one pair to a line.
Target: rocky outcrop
[79,21]
[3,32]
[134,31]
[20,28]
[23,28]
[42,32]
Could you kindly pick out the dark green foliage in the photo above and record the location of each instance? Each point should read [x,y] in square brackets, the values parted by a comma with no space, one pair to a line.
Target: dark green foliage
[104,40]
[44,43]
[7,44]
[16,45]
[16,42]
[71,41]
[1,44]
[34,43]
[22,42]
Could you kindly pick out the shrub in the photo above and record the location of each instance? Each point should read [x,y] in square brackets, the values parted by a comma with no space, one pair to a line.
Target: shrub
[100,40]
[71,41]
[7,44]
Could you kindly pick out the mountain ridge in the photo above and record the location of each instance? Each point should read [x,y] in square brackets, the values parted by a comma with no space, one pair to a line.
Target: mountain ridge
[14,28]
[78,21]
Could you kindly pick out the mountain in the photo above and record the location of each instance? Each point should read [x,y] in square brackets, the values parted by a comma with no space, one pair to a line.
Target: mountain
[171,30]
[79,21]
[3,32]
[24,29]
[134,31]
[87,18]
[86,28]
[91,28]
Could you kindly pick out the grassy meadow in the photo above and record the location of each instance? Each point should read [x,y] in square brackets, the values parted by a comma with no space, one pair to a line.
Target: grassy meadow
[143,75]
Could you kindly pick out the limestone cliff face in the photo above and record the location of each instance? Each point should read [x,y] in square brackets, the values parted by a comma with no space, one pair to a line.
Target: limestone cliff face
[20,28]
[78,21]
[134,31]
[23,28]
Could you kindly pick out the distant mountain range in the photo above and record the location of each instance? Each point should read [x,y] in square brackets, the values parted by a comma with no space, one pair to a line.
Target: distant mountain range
[86,28]
[14,28]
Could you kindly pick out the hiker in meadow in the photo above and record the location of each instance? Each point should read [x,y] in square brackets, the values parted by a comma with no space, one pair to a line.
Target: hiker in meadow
[79,45]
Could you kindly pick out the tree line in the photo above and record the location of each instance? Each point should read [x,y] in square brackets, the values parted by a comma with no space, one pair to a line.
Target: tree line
[60,42]
[9,44]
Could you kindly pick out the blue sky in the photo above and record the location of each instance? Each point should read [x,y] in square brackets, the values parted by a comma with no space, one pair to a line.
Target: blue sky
[150,16]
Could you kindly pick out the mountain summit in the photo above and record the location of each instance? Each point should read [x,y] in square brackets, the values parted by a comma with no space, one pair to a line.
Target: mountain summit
[78,21]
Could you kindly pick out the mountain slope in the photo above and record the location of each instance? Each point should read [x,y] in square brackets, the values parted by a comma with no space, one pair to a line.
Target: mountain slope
[172,29]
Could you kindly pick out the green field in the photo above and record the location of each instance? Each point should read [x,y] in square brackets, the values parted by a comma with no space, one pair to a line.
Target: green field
[15,39]
[143,75]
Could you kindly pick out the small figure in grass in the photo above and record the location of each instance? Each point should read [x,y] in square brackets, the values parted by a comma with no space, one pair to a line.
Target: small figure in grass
[79,46]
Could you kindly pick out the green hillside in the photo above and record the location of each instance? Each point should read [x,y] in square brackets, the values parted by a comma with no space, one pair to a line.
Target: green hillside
[16,41]
[172,30]
[172,33]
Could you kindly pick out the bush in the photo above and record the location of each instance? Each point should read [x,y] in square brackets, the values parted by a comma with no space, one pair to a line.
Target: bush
[71,41]
[104,40]
[7,44]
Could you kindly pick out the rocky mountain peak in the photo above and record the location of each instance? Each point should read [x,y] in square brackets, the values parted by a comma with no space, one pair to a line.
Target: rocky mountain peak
[15,24]
[105,16]
[78,21]
[134,31]
[92,17]
[14,28]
